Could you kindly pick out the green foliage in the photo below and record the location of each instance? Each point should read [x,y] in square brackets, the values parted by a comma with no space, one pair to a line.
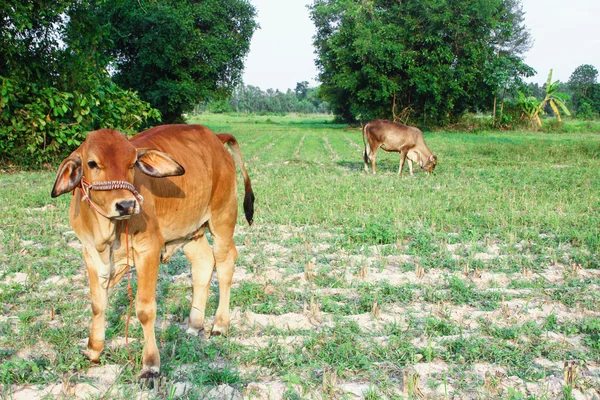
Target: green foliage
[39,124]
[22,371]
[178,53]
[53,81]
[534,108]
[374,232]
[28,32]
[582,78]
[586,92]
[591,327]
[427,61]
[585,111]
[251,99]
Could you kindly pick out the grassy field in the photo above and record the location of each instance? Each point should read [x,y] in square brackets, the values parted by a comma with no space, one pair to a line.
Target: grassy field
[480,281]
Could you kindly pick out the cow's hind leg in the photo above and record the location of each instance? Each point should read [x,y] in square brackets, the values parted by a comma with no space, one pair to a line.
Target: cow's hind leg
[373,157]
[200,255]
[225,255]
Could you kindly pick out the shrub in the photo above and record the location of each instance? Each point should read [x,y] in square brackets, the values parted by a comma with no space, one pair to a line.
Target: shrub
[41,124]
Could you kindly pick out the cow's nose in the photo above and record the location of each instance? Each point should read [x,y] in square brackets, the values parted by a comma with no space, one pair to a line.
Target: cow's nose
[125,207]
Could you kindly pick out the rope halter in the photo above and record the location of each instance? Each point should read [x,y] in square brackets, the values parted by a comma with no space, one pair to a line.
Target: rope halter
[86,186]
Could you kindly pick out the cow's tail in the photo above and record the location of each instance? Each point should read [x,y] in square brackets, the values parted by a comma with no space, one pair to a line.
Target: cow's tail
[237,156]
[367,146]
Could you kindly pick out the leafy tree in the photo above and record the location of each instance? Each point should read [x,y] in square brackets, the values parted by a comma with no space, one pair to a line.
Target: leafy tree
[510,39]
[582,78]
[251,99]
[434,59]
[53,83]
[586,91]
[301,90]
[180,52]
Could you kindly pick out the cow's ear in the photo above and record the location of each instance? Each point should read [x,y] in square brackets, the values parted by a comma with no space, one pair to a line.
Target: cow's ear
[68,177]
[432,158]
[157,164]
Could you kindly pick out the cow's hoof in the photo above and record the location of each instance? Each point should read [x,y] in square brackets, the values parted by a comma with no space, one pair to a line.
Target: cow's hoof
[218,331]
[149,377]
[93,356]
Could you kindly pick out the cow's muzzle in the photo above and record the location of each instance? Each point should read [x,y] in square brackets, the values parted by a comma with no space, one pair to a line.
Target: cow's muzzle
[123,209]
[126,208]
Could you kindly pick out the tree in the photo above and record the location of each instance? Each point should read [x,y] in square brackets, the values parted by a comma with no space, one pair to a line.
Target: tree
[53,81]
[250,99]
[301,90]
[585,90]
[510,40]
[181,52]
[434,58]
[582,78]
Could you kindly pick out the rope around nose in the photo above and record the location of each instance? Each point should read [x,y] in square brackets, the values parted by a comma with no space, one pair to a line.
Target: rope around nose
[86,186]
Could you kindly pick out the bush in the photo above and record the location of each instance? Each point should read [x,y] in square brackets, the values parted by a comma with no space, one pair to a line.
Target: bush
[42,124]
[585,112]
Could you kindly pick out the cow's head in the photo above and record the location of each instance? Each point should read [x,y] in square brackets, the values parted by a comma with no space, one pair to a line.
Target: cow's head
[430,163]
[107,160]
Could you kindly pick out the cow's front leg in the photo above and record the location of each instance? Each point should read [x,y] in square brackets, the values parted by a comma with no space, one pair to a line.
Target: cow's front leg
[403,154]
[99,297]
[145,307]
[410,166]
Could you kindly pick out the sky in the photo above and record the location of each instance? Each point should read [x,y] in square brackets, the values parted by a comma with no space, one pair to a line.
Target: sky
[281,52]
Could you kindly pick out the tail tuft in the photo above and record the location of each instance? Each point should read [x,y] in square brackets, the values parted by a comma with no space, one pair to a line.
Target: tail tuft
[249,206]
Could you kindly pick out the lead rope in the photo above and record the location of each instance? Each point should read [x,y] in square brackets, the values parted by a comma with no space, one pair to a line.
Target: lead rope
[129,290]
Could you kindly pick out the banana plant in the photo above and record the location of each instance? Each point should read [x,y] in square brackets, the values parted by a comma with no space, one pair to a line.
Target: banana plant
[533,108]
[554,98]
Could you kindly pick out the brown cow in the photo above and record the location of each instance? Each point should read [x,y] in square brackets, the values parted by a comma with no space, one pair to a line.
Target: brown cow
[136,186]
[392,136]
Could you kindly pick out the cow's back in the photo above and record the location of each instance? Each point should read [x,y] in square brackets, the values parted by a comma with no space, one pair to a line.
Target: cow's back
[184,203]
[393,134]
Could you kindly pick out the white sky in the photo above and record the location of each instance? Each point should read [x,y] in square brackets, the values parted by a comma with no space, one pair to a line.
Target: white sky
[281,53]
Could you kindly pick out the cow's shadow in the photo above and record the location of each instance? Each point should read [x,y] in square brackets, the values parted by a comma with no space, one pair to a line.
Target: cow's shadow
[351,165]
[383,166]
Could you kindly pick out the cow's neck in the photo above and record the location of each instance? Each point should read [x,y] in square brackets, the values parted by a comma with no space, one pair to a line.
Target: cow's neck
[424,154]
[98,231]
[105,232]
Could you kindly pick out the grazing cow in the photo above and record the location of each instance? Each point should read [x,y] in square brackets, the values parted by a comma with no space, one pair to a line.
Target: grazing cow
[136,201]
[392,136]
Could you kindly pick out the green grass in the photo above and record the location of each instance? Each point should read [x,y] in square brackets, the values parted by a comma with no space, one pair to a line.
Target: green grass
[507,232]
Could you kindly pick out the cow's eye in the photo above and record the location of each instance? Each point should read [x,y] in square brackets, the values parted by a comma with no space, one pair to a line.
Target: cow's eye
[92,164]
